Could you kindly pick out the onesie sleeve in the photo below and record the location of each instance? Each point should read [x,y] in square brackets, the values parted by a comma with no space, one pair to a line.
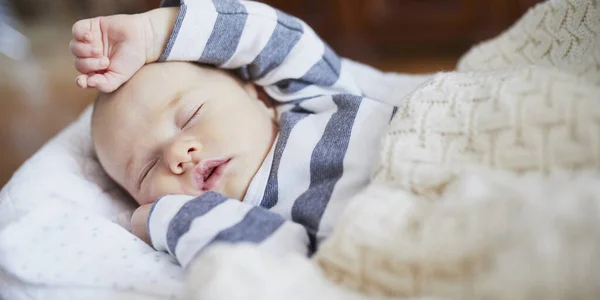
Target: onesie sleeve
[184,226]
[265,45]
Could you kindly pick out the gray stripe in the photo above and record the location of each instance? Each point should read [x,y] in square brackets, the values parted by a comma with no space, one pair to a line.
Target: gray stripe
[255,227]
[326,164]
[288,120]
[180,224]
[226,34]
[324,73]
[176,28]
[285,36]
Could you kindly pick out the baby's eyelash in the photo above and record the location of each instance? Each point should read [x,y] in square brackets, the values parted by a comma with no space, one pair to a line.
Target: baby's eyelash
[146,171]
[192,117]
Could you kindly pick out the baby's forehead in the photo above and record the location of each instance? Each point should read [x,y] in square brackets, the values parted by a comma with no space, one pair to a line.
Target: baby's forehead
[152,91]
[141,94]
[118,129]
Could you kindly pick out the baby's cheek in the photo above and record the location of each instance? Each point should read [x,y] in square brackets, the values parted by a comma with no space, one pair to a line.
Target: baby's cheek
[167,185]
[154,189]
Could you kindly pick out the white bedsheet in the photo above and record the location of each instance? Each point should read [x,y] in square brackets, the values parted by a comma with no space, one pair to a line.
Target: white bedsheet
[64,225]
[64,231]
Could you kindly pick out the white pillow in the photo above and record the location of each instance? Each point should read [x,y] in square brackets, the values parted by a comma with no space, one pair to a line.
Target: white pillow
[58,237]
[66,168]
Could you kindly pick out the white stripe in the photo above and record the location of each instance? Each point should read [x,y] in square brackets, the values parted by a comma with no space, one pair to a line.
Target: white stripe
[363,153]
[162,214]
[307,52]
[204,229]
[260,24]
[257,187]
[346,83]
[196,28]
[289,237]
[294,168]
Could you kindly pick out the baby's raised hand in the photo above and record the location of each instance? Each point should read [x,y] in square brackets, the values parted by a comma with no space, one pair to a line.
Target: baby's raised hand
[109,50]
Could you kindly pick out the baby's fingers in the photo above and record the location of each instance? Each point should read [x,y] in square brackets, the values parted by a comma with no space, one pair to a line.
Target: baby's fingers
[82,30]
[81,81]
[83,50]
[89,65]
[107,82]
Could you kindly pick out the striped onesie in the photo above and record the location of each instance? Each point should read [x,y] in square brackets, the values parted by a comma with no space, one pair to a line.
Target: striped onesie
[327,145]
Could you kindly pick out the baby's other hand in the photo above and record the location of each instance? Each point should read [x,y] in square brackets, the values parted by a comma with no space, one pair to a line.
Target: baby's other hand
[139,221]
[109,50]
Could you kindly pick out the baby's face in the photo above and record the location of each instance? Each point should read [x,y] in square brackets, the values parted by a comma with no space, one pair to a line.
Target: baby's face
[177,128]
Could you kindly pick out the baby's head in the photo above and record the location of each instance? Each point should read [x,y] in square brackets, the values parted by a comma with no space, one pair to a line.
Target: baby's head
[181,128]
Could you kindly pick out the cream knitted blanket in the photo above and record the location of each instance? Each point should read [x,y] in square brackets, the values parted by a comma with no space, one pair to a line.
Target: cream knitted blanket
[488,186]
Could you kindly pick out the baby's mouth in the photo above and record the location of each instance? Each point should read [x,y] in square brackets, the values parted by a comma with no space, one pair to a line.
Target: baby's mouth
[208,173]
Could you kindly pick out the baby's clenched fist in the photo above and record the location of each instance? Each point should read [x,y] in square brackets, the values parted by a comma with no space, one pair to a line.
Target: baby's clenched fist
[110,50]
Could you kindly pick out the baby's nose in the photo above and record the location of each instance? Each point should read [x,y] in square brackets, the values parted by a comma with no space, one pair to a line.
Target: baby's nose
[180,156]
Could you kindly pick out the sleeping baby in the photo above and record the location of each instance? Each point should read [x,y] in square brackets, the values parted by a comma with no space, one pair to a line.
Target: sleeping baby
[263,139]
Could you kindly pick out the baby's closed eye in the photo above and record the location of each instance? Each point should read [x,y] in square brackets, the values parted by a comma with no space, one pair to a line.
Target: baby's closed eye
[192,117]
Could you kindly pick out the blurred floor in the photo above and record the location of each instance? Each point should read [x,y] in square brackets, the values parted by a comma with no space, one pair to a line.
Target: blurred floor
[33,108]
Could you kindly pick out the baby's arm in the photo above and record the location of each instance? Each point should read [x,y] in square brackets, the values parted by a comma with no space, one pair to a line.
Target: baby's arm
[269,47]
[183,226]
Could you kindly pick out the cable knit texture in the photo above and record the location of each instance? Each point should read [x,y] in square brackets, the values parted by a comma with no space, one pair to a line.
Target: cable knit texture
[488,184]
[531,119]
[525,101]
[559,33]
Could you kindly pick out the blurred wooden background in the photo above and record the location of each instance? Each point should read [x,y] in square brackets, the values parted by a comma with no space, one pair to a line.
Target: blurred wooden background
[38,95]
